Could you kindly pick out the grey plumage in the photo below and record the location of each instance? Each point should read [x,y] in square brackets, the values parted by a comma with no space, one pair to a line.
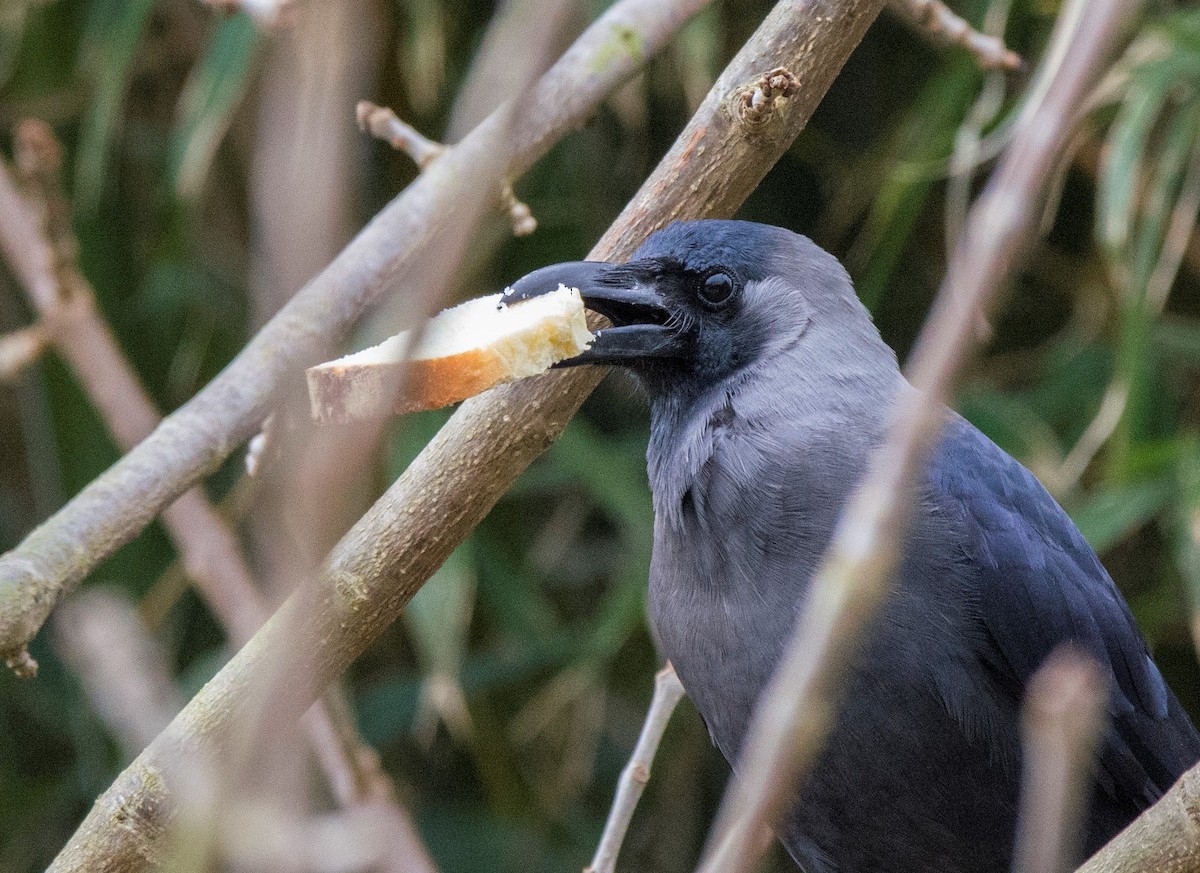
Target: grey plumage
[769,387]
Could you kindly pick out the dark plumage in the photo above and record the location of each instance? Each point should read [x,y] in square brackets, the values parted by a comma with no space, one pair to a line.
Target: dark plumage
[769,387]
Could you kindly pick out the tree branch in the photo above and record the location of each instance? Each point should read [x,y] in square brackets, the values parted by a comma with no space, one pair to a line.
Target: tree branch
[194,440]
[668,691]
[1165,838]
[943,26]
[382,123]
[454,482]
[797,708]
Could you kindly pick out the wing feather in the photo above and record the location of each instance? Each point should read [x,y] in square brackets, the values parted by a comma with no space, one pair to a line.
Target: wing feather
[1041,585]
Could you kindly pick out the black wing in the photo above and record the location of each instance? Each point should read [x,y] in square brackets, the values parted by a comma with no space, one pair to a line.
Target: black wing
[1040,585]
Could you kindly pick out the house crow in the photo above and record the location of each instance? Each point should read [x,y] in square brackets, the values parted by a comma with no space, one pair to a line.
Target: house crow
[769,387]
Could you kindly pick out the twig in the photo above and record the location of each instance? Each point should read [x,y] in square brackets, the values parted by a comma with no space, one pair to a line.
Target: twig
[460,475]
[668,691]
[797,707]
[19,349]
[195,439]
[382,123]
[208,547]
[1062,722]
[520,40]
[938,22]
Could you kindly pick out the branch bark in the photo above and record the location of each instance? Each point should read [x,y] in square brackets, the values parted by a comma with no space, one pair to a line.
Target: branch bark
[195,440]
[377,567]
[798,706]
[943,26]
[1164,839]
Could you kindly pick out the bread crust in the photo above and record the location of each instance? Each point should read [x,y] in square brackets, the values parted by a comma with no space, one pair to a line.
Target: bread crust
[348,390]
[340,393]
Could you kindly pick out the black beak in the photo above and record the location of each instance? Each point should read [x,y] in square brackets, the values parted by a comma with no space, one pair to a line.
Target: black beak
[625,295]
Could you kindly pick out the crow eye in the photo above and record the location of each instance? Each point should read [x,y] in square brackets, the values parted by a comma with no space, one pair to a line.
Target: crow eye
[716,289]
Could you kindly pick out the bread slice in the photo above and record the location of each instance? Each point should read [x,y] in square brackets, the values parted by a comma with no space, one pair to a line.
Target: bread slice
[459,353]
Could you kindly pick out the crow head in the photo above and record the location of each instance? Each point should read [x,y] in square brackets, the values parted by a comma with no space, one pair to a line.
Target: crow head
[701,303]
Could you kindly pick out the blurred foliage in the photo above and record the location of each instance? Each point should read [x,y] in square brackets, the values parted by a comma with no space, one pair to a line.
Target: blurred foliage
[507,701]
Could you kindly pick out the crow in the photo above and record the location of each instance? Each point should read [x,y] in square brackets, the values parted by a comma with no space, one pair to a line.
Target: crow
[769,387]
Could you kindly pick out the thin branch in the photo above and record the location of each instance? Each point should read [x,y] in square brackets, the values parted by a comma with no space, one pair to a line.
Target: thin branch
[194,440]
[944,27]
[393,549]
[797,707]
[1062,722]
[208,548]
[668,691]
[382,123]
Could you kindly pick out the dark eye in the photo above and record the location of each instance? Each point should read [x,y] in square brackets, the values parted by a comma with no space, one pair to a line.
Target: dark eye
[717,288]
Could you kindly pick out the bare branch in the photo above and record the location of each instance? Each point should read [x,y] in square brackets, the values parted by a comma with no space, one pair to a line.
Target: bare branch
[382,123]
[194,440]
[1064,717]
[668,691]
[944,27]
[797,707]
[454,482]
[1163,839]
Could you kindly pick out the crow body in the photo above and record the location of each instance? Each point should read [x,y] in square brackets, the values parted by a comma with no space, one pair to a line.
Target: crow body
[769,387]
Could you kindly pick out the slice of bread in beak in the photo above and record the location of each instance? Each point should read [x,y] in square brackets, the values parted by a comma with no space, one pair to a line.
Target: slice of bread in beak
[457,354]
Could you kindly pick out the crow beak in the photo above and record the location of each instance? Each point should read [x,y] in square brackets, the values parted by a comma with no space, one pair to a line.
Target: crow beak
[625,295]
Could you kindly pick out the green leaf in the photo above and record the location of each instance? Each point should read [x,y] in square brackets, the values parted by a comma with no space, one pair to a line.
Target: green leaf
[1113,512]
[1177,337]
[1170,162]
[916,150]
[1186,524]
[213,91]
[113,32]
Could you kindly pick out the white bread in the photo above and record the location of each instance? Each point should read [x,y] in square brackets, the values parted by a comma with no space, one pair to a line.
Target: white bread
[459,353]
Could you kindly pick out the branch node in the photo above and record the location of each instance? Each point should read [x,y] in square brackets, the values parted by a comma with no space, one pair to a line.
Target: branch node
[23,664]
[382,123]
[765,99]
[523,221]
